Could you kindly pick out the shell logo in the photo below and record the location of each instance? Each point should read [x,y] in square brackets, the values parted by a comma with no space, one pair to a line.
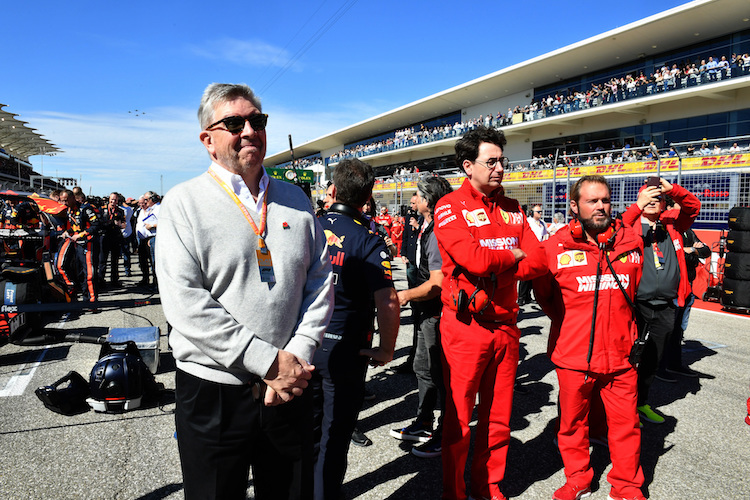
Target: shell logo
[565,259]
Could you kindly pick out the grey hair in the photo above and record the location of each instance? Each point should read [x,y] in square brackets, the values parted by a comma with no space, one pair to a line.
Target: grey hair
[559,217]
[223,92]
[432,189]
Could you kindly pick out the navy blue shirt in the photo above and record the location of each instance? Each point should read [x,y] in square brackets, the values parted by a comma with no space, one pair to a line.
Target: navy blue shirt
[361,266]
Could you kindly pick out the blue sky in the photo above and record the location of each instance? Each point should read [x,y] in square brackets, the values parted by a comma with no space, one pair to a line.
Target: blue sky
[117,85]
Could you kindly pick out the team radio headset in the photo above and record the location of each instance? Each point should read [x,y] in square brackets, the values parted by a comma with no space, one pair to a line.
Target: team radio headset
[605,240]
[478,301]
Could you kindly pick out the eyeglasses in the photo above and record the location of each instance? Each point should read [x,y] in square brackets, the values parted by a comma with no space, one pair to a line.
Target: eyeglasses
[236,124]
[491,162]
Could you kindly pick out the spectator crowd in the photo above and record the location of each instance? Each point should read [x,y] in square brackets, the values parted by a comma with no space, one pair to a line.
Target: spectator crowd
[668,77]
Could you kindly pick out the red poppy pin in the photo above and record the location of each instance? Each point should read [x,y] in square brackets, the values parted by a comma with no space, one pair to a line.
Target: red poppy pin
[285,225]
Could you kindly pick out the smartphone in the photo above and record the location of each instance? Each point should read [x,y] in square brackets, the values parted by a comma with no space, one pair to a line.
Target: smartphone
[654,180]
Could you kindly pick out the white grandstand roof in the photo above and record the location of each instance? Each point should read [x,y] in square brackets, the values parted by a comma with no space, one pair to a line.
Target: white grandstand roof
[20,141]
[681,26]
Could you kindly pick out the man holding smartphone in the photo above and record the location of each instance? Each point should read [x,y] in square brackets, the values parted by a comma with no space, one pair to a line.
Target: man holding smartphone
[665,276]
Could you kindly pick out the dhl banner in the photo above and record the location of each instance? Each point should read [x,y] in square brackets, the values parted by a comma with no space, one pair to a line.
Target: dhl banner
[668,165]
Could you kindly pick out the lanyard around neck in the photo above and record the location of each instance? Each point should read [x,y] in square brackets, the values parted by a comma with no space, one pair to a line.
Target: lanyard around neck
[263,214]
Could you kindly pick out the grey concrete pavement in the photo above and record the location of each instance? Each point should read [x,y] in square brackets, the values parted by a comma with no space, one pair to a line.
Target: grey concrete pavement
[700,452]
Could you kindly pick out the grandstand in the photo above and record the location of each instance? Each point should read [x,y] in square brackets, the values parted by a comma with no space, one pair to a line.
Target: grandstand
[17,144]
[678,80]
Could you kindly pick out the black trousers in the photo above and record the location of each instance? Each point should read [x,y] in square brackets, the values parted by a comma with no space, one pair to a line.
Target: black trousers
[144,260]
[222,431]
[412,279]
[524,291]
[660,321]
[111,247]
[338,384]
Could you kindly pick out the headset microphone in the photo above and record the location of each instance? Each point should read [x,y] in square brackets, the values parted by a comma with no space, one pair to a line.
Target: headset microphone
[607,238]
[604,239]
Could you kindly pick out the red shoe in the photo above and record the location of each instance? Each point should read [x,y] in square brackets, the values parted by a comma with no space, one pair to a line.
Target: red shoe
[571,492]
[492,492]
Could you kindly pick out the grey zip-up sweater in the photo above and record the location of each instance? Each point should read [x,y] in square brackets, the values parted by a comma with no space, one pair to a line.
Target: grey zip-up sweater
[227,325]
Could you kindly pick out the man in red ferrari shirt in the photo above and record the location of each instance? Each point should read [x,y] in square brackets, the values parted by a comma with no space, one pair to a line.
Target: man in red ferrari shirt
[589,294]
[484,239]
[385,220]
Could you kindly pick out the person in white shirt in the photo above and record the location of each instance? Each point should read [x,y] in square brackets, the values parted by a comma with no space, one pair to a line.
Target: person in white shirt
[146,231]
[537,223]
[558,222]
[540,231]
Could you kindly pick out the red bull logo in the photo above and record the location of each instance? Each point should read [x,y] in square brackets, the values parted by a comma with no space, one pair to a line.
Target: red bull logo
[333,240]
[338,259]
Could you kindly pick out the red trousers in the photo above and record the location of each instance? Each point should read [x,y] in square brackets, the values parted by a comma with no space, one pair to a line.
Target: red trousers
[478,358]
[619,393]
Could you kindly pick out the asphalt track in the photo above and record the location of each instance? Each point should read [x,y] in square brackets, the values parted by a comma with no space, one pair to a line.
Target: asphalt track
[701,452]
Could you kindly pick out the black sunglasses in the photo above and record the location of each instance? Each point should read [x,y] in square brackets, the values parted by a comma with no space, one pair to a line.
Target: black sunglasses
[235,124]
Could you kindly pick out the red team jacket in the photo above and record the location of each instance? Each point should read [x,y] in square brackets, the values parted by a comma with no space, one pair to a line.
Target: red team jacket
[477,232]
[571,281]
[676,222]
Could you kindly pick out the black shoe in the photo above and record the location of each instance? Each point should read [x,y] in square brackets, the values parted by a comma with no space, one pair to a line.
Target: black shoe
[360,439]
[684,371]
[416,431]
[431,449]
[666,377]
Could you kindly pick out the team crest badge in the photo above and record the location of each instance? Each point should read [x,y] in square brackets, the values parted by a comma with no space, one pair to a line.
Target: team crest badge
[505,216]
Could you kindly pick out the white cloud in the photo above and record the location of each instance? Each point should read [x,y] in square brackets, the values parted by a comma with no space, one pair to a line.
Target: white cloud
[122,152]
[243,52]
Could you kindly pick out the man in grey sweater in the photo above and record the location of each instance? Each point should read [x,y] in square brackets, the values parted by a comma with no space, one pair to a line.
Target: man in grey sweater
[245,281]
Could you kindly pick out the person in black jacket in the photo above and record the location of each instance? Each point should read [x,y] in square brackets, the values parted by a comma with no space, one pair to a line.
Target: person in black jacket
[671,363]
[409,257]
[113,222]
